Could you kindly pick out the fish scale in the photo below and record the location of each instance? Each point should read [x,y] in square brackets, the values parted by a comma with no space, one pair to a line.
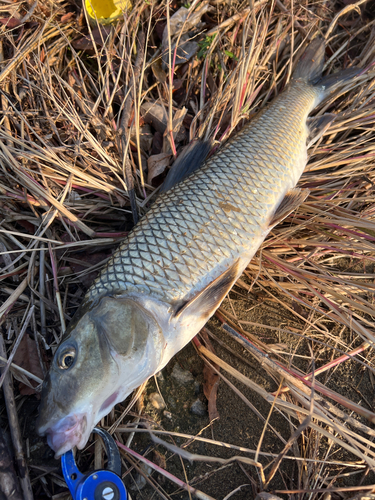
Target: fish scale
[205,222]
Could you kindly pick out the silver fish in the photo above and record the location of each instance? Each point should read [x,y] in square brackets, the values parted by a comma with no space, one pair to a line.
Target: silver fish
[173,271]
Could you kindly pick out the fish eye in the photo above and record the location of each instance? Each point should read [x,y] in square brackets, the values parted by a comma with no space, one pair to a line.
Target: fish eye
[66,358]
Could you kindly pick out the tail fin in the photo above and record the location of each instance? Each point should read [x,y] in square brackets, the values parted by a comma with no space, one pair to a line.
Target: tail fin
[330,83]
[310,67]
[310,64]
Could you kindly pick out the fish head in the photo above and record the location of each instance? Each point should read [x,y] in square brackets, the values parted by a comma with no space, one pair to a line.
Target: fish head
[108,351]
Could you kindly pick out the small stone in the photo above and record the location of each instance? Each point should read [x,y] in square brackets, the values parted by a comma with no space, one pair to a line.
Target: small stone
[74,196]
[140,481]
[167,414]
[198,408]
[156,400]
[182,376]
[171,402]
[36,447]
[197,387]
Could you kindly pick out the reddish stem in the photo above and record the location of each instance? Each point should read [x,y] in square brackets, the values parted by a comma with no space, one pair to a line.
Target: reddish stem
[331,364]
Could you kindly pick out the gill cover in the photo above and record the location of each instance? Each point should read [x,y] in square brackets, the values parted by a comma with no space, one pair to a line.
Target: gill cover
[125,324]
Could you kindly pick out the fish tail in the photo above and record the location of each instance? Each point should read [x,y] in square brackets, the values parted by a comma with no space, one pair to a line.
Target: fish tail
[332,82]
[310,67]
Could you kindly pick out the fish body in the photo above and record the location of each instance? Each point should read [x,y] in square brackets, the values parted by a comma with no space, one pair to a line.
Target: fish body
[219,215]
[176,266]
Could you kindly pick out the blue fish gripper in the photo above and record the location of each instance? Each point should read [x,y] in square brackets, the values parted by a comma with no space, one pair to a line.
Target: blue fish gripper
[103,484]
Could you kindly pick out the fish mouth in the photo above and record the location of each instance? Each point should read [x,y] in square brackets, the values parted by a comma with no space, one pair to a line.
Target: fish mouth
[69,432]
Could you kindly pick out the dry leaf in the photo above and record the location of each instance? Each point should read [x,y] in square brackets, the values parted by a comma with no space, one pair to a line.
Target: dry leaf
[27,357]
[155,115]
[10,22]
[156,165]
[158,71]
[145,137]
[211,381]
[181,27]
[67,17]
[157,143]
[177,121]
[99,36]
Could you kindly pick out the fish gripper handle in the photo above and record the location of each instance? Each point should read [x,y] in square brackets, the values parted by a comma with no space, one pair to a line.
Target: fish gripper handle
[99,484]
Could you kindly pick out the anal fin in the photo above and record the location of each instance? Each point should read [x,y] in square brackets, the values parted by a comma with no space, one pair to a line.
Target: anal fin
[205,302]
[317,125]
[293,198]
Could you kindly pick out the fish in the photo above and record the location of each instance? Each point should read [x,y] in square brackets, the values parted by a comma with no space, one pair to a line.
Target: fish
[171,273]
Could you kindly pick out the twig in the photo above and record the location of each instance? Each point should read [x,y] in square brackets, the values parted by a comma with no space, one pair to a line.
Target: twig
[232,20]
[333,363]
[345,10]
[170,81]
[9,303]
[23,472]
[9,485]
[21,370]
[42,287]
[204,458]
[305,424]
[17,343]
[123,130]
[124,429]
[56,286]
[27,16]
[294,377]
[199,494]
[297,25]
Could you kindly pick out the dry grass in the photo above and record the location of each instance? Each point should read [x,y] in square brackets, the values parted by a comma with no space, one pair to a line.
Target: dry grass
[73,157]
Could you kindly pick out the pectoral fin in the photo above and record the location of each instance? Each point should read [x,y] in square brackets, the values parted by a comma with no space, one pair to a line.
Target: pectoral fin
[205,302]
[317,125]
[293,198]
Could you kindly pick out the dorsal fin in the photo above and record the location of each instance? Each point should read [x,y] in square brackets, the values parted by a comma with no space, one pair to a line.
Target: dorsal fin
[293,198]
[205,302]
[191,158]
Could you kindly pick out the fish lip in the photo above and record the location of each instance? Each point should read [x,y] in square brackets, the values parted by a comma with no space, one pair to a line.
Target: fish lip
[67,433]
